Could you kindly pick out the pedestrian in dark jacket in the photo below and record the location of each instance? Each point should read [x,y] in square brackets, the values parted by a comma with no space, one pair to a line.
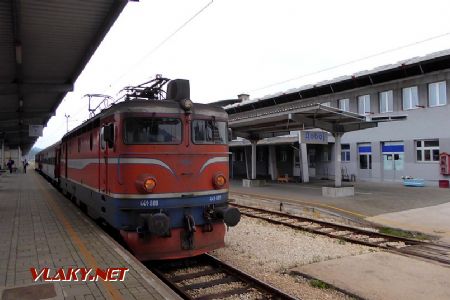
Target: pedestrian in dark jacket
[25,165]
[10,165]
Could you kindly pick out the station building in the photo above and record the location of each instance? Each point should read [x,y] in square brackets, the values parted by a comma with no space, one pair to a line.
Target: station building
[415,91]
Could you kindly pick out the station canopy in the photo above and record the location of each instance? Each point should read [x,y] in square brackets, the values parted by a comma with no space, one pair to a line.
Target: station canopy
[265,123]
[44,46]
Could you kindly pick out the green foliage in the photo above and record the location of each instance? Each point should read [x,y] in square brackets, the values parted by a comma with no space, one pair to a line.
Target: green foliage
[319,284]
[404,233]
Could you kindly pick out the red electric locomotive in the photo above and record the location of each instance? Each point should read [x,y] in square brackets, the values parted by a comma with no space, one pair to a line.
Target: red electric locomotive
[156,170]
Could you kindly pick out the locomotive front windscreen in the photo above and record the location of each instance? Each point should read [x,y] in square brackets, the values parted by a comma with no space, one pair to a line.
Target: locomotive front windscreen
[209,132]
[152,131]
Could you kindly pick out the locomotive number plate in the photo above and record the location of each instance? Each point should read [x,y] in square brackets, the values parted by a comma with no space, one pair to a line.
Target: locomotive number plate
[215,198]
[149,203]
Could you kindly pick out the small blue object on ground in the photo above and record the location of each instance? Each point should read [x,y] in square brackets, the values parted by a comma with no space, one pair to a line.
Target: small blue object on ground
[414,182]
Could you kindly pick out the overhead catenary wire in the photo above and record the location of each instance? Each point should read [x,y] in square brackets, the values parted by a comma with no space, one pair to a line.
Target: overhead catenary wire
[352,62]
[153,50]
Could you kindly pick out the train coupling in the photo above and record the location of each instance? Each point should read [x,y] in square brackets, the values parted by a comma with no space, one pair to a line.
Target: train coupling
[157,224]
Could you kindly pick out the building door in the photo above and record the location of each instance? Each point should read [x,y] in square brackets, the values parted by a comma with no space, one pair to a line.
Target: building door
[311,161]
[297,166]
[365,160]
[393,155]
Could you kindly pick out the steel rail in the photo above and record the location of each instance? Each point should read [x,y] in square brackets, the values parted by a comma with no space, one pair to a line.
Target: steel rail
[212,266]
[428,250]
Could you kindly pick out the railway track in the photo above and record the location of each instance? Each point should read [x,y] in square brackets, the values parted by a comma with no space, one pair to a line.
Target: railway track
[205,277]
[426,250]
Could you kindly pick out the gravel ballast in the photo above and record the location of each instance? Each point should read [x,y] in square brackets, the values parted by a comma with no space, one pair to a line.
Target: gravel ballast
[269,252]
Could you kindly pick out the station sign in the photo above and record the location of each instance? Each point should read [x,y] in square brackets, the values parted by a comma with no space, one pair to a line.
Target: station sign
[314,137]
[35,130]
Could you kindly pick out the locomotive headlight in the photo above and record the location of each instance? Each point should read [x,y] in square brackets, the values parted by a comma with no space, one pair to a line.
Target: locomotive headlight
[219,181]
[149,184]
[145,183]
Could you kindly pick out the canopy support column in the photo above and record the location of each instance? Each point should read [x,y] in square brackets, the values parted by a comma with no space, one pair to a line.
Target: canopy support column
[337,159]
[253,160]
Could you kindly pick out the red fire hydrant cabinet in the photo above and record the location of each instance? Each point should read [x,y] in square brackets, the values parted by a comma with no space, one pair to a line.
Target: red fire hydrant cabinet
[444,163]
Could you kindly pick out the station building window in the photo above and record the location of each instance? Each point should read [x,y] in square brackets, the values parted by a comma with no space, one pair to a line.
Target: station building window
[364,104]
[386,102]
[365,156]
[326,153]
[427,150]
[344,104]
[437,94]
[345,152]
[260,155]
[238,155]
[284,156]
[241,156]
[410,98]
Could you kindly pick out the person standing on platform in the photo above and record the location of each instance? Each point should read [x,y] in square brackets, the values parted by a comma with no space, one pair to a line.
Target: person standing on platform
[25,165]
[10,165]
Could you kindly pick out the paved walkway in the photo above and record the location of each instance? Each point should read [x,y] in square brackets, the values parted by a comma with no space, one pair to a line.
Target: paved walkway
[434,220]
[383,276]
[40,228]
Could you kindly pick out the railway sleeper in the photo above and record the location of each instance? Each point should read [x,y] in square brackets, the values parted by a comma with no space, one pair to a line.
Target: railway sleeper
[327,230]
[211,283]
[220,295]
[183,277]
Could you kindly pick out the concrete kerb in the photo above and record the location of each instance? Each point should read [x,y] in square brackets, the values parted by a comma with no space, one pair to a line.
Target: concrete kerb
[309,277]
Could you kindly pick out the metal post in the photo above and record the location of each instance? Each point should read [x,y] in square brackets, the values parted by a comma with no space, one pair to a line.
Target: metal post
[253,160]
[67,122]
[337,159]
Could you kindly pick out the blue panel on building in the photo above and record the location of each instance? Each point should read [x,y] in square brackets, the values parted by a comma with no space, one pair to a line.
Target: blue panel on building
[393,148]
[365,149]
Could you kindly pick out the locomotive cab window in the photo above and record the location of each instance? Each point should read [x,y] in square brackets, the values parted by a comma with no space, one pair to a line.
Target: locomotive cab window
[152,131]
[209,132]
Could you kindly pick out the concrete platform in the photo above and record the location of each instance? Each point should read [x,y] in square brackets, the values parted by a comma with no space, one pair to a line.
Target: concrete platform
[424,209]
[433,220]
[383,276]
[40,228]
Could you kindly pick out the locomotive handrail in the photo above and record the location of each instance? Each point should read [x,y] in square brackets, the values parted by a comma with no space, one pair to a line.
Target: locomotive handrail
[119,173]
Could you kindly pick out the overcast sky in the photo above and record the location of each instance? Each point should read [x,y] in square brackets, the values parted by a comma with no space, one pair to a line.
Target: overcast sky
[247,46]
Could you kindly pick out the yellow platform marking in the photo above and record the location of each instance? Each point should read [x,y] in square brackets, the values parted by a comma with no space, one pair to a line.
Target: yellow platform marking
[89,258]
[302,201]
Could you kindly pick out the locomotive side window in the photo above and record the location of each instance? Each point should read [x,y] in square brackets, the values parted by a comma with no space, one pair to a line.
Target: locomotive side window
[102,140]
[152,131]
[209,132]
